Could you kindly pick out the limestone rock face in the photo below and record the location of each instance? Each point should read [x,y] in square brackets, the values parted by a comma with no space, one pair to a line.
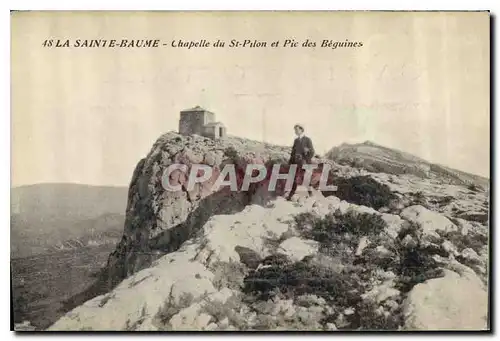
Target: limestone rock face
[159,221]
[452,302]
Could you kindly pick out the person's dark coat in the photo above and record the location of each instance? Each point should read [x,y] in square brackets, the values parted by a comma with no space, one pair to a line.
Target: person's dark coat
[302,151]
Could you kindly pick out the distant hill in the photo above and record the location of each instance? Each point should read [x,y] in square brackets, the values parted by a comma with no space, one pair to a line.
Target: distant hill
[376,158]
[48,217]
[42,282]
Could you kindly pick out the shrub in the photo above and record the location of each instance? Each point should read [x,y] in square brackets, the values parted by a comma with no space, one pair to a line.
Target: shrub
[473,240]
[473,188]
[171,308]
[231,153]
[419,199]
[339,236]
[229,309]
[305,221]
[228,275]
[336,229]
[129,326]
[446,200]
[364,190]
[368,316]
[414,263]
[340,291]
[301,278]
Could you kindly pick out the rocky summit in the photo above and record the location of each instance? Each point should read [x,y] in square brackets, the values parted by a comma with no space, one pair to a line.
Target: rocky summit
[387,250]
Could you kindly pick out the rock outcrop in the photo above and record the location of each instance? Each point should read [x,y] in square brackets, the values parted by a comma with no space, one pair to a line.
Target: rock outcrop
[159,221]
[371,257]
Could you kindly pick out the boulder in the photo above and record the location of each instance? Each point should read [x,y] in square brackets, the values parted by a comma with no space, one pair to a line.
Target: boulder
[428,220]
[159,221]
[296,248]
[453,302]
[394,224]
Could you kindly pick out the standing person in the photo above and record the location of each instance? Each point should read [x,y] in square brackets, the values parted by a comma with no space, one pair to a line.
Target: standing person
[302,153]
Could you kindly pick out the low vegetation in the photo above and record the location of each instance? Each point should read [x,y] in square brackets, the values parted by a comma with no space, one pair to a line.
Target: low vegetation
[170,308]
[228,275]
[473,239]
[231,153]
[364,190]
[473,188]
[407,258]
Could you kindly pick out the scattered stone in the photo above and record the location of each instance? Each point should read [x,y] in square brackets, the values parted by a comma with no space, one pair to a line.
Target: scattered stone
[394,224]
[310,300]
[348,311]
[224,323]
[331,326]
[382,251]
[391,304]
[190,318]
[381,292]
[449,247]
[471,255]
[284,307]
[428,220]
[296,248]
[408,242]
[212,326]
[363,243]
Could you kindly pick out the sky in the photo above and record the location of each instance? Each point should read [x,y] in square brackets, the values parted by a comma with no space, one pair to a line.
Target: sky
[419,83]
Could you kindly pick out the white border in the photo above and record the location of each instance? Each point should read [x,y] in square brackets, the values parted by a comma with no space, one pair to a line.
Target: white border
[492,5]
